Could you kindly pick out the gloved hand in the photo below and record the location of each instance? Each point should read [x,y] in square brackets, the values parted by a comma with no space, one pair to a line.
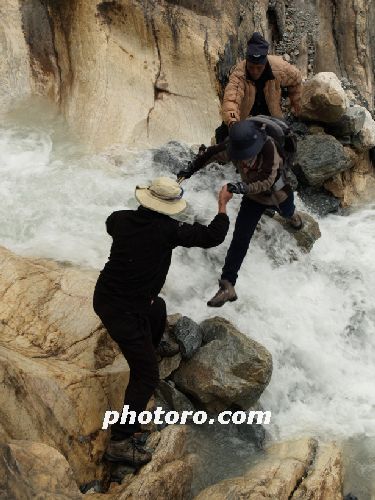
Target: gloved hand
[237,187]
[187,172]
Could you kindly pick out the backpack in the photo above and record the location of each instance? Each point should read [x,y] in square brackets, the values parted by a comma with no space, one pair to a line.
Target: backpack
[286,143]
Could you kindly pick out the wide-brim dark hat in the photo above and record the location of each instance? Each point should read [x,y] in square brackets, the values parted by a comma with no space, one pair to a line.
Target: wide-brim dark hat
[246,140]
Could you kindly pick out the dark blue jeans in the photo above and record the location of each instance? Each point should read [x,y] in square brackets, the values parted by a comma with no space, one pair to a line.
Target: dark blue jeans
[247,219]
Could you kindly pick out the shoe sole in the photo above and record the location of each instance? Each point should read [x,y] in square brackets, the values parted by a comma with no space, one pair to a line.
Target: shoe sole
[220,305]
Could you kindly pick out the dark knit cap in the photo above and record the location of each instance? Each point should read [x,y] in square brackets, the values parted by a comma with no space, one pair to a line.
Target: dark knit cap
[257,49]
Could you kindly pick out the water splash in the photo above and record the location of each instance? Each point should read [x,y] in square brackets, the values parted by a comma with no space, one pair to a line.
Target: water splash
[316,315]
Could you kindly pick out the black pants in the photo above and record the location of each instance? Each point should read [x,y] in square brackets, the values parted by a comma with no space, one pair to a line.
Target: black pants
[247,219]
[137,335]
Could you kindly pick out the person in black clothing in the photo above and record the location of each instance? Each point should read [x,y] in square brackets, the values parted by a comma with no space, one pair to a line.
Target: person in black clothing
[126,293]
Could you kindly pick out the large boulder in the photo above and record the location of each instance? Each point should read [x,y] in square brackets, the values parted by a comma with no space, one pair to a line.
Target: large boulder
[35,470]
[323,99]
[228,369]
[60,371]
[290,470]
[320,157]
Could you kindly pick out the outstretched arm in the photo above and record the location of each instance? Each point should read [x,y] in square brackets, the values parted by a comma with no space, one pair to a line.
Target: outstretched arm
[217,153]
[199,235]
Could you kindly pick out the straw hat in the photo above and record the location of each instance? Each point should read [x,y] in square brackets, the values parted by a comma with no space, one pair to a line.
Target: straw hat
[164,195]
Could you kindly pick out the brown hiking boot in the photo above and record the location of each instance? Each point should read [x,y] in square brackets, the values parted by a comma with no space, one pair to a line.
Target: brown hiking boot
[225,293]
[295,221]
[128,451]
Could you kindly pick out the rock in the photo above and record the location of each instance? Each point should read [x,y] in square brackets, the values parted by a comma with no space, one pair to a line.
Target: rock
[305,237]
[168,475]
[15,72]
[366,137]
[173,155]
[228,369]
[351,185]
[174,398]
[350,123]
[189,337]
[60,371]
[35,470]
[172,320]
[323,98]
[319,201]
[325,477]
[316,130]
[168,365]
[319,157]
[293,469]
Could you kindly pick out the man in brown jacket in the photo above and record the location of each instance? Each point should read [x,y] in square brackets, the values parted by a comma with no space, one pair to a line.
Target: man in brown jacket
[255,85]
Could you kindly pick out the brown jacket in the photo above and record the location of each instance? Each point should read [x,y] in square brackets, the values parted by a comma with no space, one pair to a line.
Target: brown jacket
[239,95]
[259,178]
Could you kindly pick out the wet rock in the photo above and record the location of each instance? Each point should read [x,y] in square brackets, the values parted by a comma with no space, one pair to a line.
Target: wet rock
[173,155]
[228,369]
[174,398]
[323,99]
[168,365]
[350,123]
[305,237]
[319,201]
[59,369]
[35,470]
[319,157]
[189,336]
[293,469]
[325,477]
[168,475]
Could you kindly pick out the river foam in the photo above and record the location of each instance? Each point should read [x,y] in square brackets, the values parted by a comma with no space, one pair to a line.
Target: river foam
[316,314]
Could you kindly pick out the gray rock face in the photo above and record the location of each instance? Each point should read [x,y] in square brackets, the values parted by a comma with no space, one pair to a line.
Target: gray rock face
[350,123]
[319,201]
[189,336]
[320,157]
[173,397]
[228,369]
[173,155]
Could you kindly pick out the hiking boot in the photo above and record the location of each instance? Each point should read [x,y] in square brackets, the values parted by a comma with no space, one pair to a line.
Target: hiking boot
[225,293]
[295,221]
[167,348]
[128,451]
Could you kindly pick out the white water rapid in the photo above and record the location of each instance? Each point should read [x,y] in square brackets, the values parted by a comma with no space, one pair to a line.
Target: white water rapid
[316,315]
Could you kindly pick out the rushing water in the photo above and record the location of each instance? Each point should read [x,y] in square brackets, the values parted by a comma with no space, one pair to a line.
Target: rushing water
[316,314]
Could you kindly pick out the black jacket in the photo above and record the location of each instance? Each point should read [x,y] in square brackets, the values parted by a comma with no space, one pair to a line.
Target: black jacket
[141,253]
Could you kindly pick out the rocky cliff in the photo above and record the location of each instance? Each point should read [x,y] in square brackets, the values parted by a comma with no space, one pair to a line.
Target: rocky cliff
[145,71]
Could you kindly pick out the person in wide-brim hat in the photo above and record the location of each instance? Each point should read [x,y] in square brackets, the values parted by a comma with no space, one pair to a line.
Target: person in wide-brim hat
[126,297]
[163,195]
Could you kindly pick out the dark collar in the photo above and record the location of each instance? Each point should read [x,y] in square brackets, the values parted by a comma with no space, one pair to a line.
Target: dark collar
[265,76]
[150,213]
